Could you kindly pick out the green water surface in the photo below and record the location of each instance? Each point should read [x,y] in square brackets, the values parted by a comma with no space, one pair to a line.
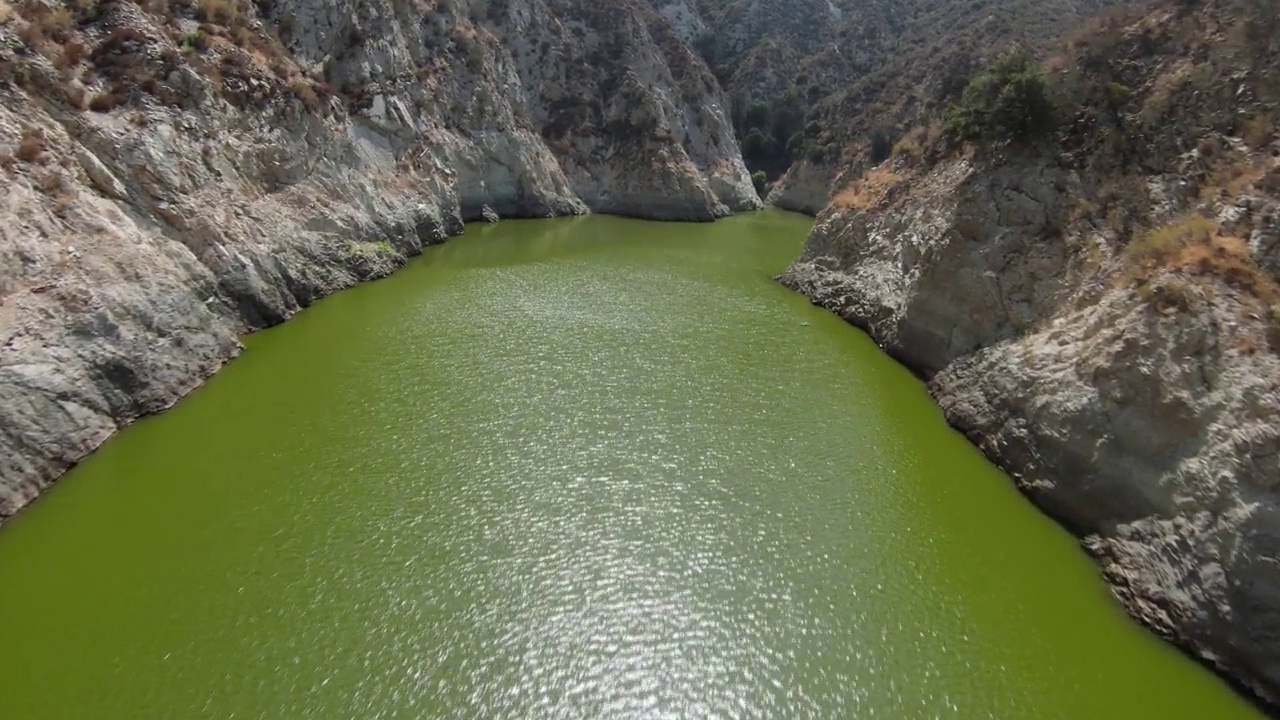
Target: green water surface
[581,468]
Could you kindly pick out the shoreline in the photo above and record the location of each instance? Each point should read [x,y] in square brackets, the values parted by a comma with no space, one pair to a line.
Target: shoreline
[446,232]
[1025,467]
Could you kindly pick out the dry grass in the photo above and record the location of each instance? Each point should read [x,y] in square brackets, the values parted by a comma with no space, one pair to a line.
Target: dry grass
[1195,244]
[7,13]
[302,89]
[912,144]
[1159,246]
[1232,178]
[59,23]
[870,190]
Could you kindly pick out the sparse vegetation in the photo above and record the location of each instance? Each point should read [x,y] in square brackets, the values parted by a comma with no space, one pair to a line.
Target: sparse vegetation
[31,146]
[1259,130]
[1117,96]
[912,145]
[1195,244]
[1160,246]
[869,191]
[103,102]
[302,90]
[195,41]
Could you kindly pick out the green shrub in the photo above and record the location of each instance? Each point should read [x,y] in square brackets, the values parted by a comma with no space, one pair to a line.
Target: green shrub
[758,179]
[195,41]
[1007,101]
[1117,96]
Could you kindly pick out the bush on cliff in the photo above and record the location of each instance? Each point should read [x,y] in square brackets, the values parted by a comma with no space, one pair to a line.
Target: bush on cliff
[1009,100]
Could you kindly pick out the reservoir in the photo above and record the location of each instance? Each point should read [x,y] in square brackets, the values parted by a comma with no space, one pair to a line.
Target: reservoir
[573,468]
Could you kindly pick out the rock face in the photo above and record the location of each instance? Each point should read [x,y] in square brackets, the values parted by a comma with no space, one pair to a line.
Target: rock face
[806,188]
[175,174]
[1098,312]
[1146,426]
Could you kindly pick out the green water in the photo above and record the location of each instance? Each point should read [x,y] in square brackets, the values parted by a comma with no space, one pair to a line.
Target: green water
[586,468]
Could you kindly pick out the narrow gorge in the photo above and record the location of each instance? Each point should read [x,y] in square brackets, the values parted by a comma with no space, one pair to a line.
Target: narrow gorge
[1064,216]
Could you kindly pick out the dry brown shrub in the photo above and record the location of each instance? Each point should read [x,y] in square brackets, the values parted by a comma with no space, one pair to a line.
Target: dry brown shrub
[870,190]
[1232,178]
[1259,130]
[59,23]
[51,183]
[1158,247]
[911,144]
[222,12]
[303,91]
[32,146]
[103,102]
[1195,243]
[72,54]
[33,35]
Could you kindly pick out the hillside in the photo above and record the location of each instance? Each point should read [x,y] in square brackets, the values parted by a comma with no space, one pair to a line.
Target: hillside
[176,172]
[817,80]
[1084,262]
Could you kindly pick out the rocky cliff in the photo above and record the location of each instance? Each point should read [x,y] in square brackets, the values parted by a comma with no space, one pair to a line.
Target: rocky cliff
[177,172]
[1098,310]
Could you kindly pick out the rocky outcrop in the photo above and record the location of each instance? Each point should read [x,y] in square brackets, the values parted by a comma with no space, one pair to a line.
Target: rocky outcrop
[1145,424]
[1098,313]
[175,174]
[805,188]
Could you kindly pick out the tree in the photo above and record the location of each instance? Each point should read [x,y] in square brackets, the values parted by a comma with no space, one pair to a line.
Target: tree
[881,145]
[757,116]
[1007,101]
[756,144]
